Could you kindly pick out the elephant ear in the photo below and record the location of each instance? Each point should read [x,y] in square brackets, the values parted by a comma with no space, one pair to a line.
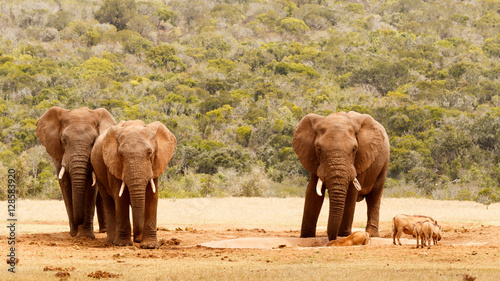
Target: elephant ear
[106,120]
[48,130]
[371,137]
[110,154]
[165,146]
[303,141]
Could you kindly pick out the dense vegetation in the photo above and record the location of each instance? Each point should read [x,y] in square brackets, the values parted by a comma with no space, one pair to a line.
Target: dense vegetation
[231,79]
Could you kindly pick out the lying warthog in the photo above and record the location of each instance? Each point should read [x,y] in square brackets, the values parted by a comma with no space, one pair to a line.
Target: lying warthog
[356,238]
[427,232]
[405,224]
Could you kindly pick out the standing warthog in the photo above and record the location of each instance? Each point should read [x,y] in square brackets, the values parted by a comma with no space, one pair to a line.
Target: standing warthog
[427,232]
[356,238]
[436,234]
[405,224]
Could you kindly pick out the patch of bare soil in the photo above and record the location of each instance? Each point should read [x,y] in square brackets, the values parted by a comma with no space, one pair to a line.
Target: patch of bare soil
[466,243]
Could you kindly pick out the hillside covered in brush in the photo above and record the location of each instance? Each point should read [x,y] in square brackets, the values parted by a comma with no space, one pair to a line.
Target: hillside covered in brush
[231,79]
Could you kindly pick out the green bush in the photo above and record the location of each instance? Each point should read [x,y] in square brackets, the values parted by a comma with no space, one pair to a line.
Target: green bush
[163,56]
[137,44]
[167,15]
[294,26]
[228,13]
[116,12]
[492,46]
[243,134]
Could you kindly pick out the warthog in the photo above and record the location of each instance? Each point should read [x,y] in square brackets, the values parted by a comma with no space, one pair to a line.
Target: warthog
[356,238]
[427,232]
[436,234]
[405,224]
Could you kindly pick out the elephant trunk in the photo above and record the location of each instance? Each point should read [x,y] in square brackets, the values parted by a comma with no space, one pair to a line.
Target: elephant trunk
[337,195]
[337,182]
[79,169]
[137,191]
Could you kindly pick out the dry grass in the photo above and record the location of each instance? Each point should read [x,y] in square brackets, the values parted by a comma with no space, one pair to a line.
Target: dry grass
[43,229]
[269,212]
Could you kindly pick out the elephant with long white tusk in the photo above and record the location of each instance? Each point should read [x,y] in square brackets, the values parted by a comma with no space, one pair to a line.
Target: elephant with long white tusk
[348,155]
[319,186]
[68,136]
[132,155]
[61,173]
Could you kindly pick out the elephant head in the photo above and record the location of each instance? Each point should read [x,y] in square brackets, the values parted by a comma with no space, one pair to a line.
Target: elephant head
[136,154]
[338,149]
[68,136]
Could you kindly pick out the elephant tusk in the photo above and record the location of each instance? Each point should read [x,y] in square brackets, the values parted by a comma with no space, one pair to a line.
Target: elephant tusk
[61,173]
[93,178]
[153,186]
[357,185]
[121,189]
[319,185]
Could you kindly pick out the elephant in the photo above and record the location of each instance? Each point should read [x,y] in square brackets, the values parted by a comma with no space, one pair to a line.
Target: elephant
[68,136]
[348,155]
[127,161]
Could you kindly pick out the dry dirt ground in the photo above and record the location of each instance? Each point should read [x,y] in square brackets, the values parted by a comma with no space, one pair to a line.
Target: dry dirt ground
[469,250]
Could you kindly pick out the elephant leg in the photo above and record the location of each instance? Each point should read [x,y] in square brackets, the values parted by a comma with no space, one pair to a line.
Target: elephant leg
[123,229]
[109,214]
[101,218]
[373,206]
[87,228]
[312,208]
[373,209]
[149,238]
[65,184]
[350,205]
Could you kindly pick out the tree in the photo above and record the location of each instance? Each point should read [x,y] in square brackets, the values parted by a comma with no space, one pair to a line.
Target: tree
[116,12]
[167,15]
[294,26]
[163,56]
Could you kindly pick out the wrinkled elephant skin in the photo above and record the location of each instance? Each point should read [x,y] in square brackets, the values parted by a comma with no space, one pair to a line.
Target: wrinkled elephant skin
[127,160]
[68,136]
[348,155]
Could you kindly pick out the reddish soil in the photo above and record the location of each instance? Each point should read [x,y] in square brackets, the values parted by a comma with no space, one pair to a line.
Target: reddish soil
[466,243]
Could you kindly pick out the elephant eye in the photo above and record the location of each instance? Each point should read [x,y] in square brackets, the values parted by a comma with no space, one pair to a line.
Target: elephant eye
[150,152]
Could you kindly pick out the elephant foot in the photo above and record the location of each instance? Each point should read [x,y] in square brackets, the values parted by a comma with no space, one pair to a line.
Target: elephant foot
[102,230]
[86,232]
[110,240]
[372,230]
[122,242]
[150,244]
[73,232]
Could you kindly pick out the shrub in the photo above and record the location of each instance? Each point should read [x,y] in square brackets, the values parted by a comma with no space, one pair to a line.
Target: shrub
[243,134]
[163,56]
[97,66]
[492,46]
[116,12]
[294,26]
[137,44]
[228,13]
[224,65]
[167,15]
